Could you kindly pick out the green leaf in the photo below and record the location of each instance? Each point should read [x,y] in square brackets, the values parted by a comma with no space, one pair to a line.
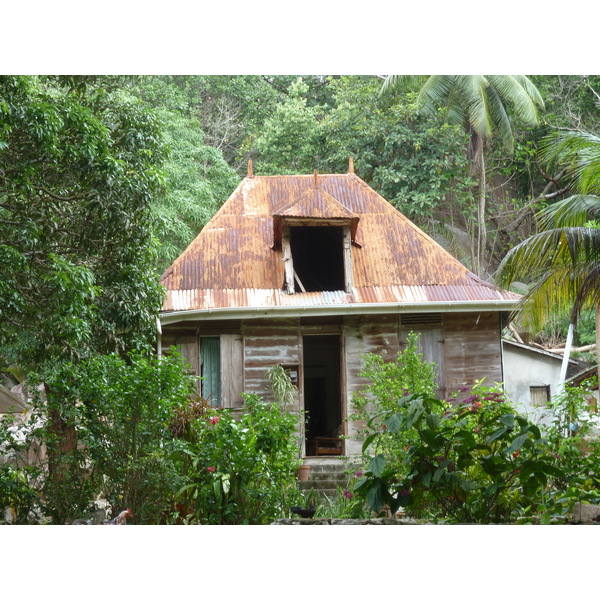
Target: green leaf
[368,441]
[438,474]
[498,434]
[377,465]
[394,423]
[375,496]
[508,420]
[517,443]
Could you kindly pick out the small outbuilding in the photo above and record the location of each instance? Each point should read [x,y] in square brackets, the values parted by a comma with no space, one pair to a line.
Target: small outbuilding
[532,378]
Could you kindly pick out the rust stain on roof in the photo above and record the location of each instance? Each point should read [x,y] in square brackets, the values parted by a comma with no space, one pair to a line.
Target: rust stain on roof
[235,261]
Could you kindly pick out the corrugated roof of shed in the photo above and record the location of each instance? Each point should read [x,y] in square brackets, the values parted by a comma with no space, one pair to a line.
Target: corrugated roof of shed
[233,263]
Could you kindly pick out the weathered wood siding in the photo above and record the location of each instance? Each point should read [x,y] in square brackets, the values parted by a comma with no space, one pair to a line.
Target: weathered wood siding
[268,343]
[472,349]
[377,334]
[466,347]
[232,370]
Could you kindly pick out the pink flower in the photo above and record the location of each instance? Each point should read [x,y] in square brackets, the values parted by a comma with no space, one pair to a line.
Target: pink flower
[347,494]
[211,469]
[358,474]
[214,420]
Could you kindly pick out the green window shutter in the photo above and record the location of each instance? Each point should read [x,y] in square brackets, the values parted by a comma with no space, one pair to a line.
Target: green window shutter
[210,365]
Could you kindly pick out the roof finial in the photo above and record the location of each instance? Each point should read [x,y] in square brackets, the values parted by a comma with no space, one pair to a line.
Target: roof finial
[351,165]
[250,168]
[315,174]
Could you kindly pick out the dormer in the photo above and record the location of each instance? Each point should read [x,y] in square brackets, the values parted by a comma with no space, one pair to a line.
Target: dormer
[315,233]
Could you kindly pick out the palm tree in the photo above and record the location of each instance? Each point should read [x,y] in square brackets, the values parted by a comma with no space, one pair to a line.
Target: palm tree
[563,260]
[478,103]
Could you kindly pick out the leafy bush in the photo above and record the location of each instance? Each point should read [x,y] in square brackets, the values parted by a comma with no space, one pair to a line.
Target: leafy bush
[105,423]
[408,374]
[241,471]
[474,461]
[575,448]
[17,492]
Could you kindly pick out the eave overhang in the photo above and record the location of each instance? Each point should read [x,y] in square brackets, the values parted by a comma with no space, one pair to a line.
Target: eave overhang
[262,312]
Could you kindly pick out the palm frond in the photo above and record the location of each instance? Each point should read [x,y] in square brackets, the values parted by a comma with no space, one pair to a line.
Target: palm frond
[580,152]
[435,92]
[574,211]
[520,92]
[473,94]
[495,107]
[563,265]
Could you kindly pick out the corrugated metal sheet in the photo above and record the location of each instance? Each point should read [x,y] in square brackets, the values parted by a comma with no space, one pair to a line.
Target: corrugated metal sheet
[234,262]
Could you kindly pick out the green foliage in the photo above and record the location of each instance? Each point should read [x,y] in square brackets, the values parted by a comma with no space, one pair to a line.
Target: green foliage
[575,448]
[197,178]
[79,167]
[284,391]
[389,384]
[415,162]
[344,505]
[474,461]
[242,471]
[291,139]
[408,374]
[106,423]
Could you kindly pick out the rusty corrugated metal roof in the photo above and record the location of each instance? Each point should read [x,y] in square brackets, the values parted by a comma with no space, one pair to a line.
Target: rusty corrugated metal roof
[235,263]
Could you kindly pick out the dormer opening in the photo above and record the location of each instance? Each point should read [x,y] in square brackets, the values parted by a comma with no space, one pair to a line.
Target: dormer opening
[318,258]
[317,255]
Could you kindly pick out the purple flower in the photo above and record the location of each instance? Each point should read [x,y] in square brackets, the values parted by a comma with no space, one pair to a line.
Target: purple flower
[347,494]
[358,474]
[464,389]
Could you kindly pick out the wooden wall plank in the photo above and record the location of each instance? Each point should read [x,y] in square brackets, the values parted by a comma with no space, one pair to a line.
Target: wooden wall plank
[232,371]
[472,349]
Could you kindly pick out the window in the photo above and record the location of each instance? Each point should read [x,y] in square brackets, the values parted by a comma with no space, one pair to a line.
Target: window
[318,258]
[210,369]
[540,395]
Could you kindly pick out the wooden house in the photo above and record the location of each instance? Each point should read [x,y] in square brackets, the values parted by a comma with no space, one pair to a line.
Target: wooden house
[312,272]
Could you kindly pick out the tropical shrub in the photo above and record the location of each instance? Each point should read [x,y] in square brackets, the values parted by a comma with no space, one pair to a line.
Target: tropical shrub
[391,381]
[105,423]
[241,471]
[575,448]
[474,461]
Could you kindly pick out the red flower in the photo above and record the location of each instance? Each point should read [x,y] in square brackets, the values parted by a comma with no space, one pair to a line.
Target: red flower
[214,420]
[211,469]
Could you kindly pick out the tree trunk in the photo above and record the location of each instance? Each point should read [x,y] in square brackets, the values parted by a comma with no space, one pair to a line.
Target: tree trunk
[481,227]
[477,157]
[63,480]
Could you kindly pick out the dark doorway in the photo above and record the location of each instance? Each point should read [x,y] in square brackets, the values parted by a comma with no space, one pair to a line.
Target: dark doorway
[322,395]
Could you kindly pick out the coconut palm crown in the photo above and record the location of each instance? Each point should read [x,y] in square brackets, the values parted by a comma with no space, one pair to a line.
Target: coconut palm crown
[563,260]
[479,104]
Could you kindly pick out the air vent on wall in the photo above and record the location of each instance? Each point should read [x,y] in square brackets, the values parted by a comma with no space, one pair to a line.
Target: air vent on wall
[421,319]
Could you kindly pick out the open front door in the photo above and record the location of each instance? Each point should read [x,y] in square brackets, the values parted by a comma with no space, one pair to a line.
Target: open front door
[322,395]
